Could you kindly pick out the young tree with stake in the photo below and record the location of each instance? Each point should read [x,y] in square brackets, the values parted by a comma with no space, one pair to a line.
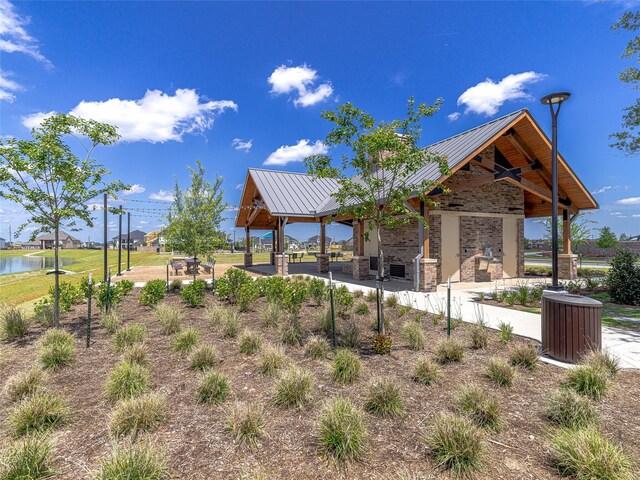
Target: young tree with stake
[51,183]
[377,177]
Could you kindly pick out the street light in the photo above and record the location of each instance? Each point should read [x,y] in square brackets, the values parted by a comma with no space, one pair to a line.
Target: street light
[551,100]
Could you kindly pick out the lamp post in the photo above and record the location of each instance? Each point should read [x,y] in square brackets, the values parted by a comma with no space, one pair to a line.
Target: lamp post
[552,100]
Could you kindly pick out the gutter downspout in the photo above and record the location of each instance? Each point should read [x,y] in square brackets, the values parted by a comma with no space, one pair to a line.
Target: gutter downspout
[418,257]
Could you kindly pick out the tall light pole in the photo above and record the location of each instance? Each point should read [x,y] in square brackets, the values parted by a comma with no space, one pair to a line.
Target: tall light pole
[552,100]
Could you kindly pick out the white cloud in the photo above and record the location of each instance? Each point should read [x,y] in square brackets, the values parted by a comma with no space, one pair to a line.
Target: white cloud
[296,153]
[615,214]
[300,80]
[8,87]
[635,215]
[135,188]
[487,97]
[35,119]
[164,195]
[629,201]
[240,144]
[156,117]
[143,222]
[454,116]
[239,186]
[14,37]
[607,188]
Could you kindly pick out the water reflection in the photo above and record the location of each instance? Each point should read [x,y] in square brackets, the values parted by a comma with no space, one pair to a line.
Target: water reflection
[26,264]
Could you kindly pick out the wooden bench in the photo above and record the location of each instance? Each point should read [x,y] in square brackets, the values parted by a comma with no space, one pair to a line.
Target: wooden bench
[207,268]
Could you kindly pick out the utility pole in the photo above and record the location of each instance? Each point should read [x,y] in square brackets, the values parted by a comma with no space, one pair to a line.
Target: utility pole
[104,241]
[120,240]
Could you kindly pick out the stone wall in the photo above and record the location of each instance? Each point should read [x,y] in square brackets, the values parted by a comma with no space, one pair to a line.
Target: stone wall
[476,235]
[520,247]
[435,242]
[400,246]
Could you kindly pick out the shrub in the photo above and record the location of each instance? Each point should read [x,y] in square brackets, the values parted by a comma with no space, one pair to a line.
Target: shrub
[426,371]
[290,331]
[110,321]
[316,348]
[318,290]
[125,286]
[623,279]
[501,372]
[136,415]
[371,296]
[585,454]
[169,318]
[350,335]
[216,314]
[346,366]
[272,359]
[136,354]
[133,462]
[203,357]
[479,336]
[413,335]
[382,344]
[229,285]
[403,310]
[213,388]
[391,301]
[273,288]
[567,409]
[324,322]
[175,284]
[13,324]
[108,293]
[40,412]
[271,315]
[247,295]
[342,300]
[362,308]
[193,294]
[246,422]
[384,398]
[24,384]
[479,407]
[231,325]
[128,336]
[249,342]
[43,312]
[127,380]
[27,459]
[588,380]
[152,292]
[456,444]
[524,355]
[295,293]
[506,331]
[602,360]
[450,350]
[57,349]
[293,388]
[342,429]
[69,295]
[186,340]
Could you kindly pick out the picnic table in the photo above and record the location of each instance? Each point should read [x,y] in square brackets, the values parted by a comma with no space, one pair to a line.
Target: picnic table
[192,265]
[296,256]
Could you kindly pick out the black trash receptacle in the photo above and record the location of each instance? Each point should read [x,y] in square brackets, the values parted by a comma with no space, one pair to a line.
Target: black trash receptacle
[571,325]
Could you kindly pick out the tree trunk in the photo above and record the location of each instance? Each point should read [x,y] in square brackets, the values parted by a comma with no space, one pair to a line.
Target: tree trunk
[195,267]
[380,277]
[56,274]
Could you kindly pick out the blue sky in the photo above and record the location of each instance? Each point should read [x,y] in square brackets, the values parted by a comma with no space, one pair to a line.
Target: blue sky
[240,85]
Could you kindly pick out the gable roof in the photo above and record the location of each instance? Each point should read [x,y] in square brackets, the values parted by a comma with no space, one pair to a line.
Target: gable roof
[135,235]
[62,237]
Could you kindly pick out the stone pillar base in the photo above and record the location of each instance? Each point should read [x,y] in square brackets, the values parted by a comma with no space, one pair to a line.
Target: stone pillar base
[282,264]
[272,258]
[428,274]
[360,268]
[248,259]
[322,260]
[567,266]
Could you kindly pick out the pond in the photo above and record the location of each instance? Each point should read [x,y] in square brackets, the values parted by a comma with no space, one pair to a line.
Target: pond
[26,264]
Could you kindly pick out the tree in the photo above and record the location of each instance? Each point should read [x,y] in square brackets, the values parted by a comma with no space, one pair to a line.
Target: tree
[628,139]
[51,183]
[377,177]
[607,238]
[623,236]
[195,215]
[580,230]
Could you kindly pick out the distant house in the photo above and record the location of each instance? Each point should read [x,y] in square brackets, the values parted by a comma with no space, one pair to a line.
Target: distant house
[314,242]
[3,244]
[137,237]
[29,245]
[155,238]
[65,241]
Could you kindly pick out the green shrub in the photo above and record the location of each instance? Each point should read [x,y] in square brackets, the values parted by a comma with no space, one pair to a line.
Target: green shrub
[371,296]
[342,300]
[43,312]
[426,371]
[588,380]
[350,334]
[623,279]
[193,294]
[567,409]
[362,308]
[57,349]
[247,295]
[585,455]
[346,366]
[290,331]
[125,286]
[135,415]
[40,412]
[295,293]
[152,292]
[501,372]
[186,340]
[273,288]
[506,331]
[324,322]
[603,361]
[384,398]
[231,325]
[228,286]
[249,343]
[479,336]
[457,444]
[342,429]
[414,335]
[391,301]
[272,359]
[293,388]
[128,336]
[203,357]
[479,407]
[24,384]
[318,290]
[111,292]
[110,321]
[524,355]
[136,354]
[27,459]
[127,380]
[176,284]
[169,318]
[13,324]
[450,350]
[133,462]
[69,295]
[382,344]
[316,348]
[213,388]
[271,315]
[246,422]
[403,310]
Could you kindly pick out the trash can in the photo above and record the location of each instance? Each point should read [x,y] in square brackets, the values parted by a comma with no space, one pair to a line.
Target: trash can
[571,325]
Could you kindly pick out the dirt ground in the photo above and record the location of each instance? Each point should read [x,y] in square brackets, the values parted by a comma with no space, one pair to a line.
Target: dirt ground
[196,445]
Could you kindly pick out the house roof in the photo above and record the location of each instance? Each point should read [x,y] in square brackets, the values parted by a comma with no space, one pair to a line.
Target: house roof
[62,236]
[135,235]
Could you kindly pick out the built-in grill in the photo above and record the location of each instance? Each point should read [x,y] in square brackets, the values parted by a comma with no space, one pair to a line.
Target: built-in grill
[396,270]
[373,263]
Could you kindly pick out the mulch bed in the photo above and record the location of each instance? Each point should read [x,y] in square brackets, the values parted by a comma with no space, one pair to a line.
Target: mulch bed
[197,446]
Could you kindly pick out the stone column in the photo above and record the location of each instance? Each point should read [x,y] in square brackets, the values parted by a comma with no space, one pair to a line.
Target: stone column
[322,260]
[282,264]
[428,274]
[567,266]
[360,267]
[248,259]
